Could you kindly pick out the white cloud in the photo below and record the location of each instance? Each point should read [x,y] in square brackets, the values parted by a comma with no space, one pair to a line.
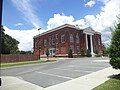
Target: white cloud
[18,24]
[103,1]
[81,23]
[27,9]
[58,20]
[105,19]
[90,3]
[25,37]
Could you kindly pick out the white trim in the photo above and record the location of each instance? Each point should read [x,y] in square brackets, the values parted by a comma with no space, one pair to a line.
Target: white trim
[68,25]
[89,31]
[58,28]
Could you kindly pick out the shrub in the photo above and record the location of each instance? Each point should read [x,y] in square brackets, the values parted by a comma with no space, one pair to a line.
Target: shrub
[47,53]
[115,62]
[82,52]
[96,51]
[88,53]
[70,54]
[97,55]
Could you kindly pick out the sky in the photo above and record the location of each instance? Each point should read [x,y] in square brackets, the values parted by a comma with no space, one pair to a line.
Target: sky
[22,18]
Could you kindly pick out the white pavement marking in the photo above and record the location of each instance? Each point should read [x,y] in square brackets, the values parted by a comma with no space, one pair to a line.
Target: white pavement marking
[101,60]
[72,70]
[55,75]
[27,71]
[85,66]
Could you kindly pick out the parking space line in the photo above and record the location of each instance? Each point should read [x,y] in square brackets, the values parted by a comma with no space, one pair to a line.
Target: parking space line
[56,75]
[72,70]
[85,66]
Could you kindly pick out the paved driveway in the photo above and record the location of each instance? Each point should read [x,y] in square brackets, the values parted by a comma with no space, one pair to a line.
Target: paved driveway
[49,74]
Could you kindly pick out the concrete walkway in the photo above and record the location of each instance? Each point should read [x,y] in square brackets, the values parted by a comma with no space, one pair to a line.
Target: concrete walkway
[86,82]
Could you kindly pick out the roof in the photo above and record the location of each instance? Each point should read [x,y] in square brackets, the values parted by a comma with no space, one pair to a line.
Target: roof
[57,28]
[63,26]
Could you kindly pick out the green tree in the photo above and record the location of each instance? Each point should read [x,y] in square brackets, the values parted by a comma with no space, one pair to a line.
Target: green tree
[47,53]
[8,44]
[114,49]
[70,54]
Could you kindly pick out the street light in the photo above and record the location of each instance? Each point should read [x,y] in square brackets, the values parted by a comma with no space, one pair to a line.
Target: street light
[39,43]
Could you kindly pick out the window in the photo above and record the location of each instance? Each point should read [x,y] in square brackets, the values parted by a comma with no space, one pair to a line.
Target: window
[36,44]
[71,38]
[49,40]
[45,42]
[78,49]
[54,51]
[56,38]
[72,47]
[98,41]
[77,38]
[62,38]
[45,51]
[53,39]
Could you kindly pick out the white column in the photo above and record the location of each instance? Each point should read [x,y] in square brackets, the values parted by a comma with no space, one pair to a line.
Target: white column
[91,46]
[86,42]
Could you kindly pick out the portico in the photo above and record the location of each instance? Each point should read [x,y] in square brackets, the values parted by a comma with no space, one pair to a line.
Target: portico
[89,39]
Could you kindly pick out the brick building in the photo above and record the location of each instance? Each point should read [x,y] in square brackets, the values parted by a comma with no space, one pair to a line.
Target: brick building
[59,40]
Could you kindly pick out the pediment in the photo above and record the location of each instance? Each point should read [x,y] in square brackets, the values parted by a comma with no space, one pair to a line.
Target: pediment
[88,30]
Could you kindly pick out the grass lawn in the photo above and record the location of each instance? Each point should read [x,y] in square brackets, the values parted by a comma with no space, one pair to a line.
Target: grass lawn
[25,62]
[111,84]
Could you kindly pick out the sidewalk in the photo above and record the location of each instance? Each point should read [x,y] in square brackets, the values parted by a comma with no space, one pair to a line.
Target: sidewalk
[14,83]
[86,82]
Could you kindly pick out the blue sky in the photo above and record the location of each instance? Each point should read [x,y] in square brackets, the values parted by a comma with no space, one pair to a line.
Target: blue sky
[22,18]
[45,9]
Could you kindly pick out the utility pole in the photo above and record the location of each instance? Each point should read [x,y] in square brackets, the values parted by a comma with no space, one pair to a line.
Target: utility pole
[1,3]
[39,43]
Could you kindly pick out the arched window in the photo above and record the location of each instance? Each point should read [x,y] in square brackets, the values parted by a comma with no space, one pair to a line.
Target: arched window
[77,38]
[62,38]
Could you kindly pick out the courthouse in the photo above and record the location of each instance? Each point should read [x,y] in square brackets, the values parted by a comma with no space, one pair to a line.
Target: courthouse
[60,39]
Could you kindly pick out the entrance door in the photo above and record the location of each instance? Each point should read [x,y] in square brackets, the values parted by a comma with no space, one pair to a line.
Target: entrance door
[52,51]
[89,43]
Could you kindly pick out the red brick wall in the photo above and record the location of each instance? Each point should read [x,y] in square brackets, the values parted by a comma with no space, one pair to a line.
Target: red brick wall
[95,43]
[18,58]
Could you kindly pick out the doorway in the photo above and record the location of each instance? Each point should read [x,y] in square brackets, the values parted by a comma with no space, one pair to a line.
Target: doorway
[89,42]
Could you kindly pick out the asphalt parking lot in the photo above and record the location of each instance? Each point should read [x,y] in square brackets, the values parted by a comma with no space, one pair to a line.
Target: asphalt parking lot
[49,74]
